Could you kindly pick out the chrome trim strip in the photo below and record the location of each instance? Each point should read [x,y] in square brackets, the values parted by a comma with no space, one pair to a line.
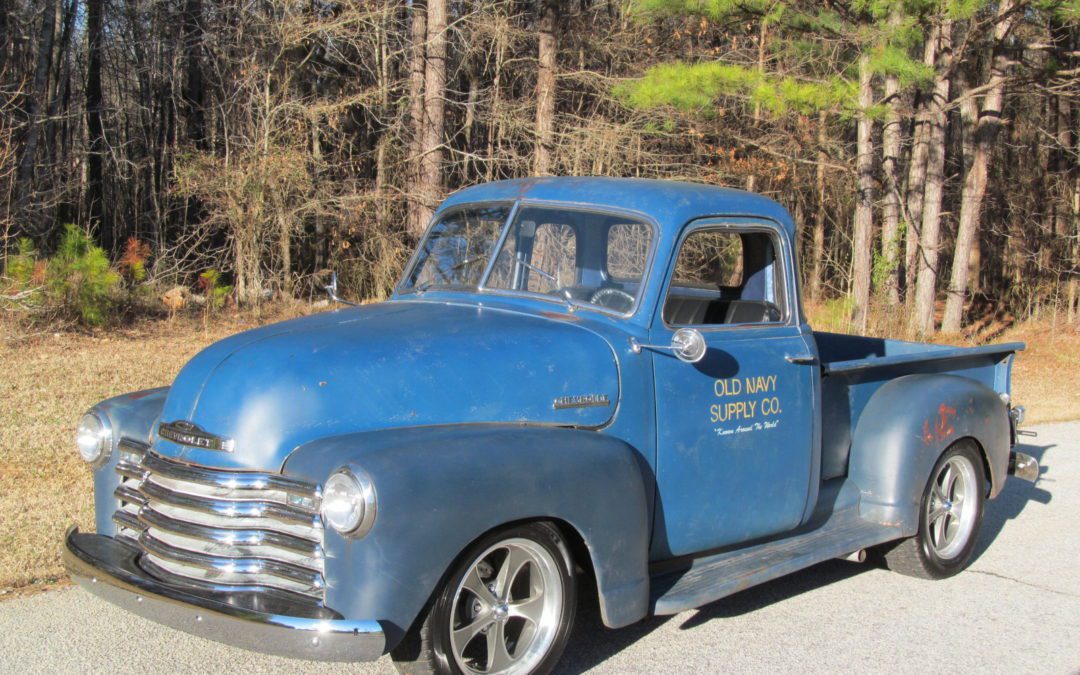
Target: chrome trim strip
[126,493]
[128,520]
[235,480]
[148,516]
[131,445]
[225,569]
[250,588]
[107,568]
[129,470]
[229,509]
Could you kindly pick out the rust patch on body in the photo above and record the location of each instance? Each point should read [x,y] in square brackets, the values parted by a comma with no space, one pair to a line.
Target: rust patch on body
[940,429]
[560,317]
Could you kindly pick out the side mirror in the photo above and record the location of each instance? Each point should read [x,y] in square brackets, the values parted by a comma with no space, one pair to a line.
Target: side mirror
[331,290]
[689,345]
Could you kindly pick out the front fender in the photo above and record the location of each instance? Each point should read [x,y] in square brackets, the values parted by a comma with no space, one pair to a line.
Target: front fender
[906,426]
[439,488]
[131,416]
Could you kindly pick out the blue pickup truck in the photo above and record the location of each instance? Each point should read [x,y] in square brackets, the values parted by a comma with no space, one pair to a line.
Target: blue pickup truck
[579,384]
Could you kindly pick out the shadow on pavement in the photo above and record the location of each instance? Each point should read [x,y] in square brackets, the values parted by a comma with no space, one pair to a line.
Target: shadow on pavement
[1013,498]
[591,643]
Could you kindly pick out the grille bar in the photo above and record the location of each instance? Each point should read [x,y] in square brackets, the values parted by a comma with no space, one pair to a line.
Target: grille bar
[222,539]
[220,530]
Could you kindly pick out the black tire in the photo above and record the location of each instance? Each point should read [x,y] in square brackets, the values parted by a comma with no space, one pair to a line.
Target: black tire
[428,647]
[929,554]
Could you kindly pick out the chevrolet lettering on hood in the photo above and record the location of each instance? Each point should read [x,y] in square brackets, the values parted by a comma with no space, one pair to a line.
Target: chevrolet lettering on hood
[583,401]
[191,435]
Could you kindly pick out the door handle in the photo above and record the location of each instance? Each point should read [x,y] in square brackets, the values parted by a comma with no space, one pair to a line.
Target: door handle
[805,359]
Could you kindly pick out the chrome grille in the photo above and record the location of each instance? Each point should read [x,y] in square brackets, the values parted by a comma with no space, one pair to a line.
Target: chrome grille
[211,529]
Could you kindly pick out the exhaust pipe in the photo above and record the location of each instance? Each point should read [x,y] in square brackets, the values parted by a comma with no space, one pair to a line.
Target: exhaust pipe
[858,556]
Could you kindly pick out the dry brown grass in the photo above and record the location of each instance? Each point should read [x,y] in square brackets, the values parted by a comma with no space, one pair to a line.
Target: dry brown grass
[48,380]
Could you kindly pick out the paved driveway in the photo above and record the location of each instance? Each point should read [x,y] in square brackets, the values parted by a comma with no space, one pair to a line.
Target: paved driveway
[1016,610]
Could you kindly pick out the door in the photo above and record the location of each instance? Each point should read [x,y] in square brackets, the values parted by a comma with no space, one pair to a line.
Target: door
[735,431]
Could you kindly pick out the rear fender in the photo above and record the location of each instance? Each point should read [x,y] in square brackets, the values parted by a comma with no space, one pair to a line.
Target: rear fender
[440,488]
[906,426]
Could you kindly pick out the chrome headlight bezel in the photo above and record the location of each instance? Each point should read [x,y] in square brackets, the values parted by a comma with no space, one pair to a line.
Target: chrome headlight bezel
[349,502]
[94,438]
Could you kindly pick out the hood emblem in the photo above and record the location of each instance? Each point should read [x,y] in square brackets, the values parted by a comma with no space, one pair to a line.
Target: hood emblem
[194,436]
[581,401]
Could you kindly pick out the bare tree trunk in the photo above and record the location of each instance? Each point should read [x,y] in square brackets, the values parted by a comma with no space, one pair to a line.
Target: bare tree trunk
[417,67]
[39,92]
[431,151]
[890,226]
[95,157]
[817,254]
[930,236]
[987,122]
[864,202]
[916,179]
[546,87]
[193,87]
[890,211]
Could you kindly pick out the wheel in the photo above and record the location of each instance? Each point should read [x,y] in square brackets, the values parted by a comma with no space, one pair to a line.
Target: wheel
[507,607]
[952,510]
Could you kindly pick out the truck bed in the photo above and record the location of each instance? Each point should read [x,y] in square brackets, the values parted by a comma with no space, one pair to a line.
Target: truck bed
[855,367]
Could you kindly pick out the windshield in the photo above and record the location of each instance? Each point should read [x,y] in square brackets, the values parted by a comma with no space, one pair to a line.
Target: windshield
[581,258]
[458,247]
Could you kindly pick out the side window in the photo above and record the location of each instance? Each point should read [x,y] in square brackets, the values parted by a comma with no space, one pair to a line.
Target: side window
[724,276]
[554,249]
[628,251]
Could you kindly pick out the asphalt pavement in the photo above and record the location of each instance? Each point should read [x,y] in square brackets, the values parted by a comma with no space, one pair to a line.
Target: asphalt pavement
[1015,610]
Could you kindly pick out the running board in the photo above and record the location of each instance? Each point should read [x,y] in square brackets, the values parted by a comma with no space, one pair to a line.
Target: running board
[718,576]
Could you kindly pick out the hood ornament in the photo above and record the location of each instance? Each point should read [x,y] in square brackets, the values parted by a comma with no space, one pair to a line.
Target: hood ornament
[192,435]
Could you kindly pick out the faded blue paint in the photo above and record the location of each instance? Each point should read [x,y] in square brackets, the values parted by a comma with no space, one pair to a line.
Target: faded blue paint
[446,400]
[398,364]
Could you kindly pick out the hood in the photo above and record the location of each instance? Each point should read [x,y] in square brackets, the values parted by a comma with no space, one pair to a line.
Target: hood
[395,364]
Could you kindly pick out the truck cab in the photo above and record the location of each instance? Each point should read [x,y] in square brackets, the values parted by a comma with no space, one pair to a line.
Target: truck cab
[577,381]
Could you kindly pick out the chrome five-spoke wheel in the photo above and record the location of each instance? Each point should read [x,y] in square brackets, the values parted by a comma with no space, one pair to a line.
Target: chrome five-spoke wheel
[949,515]
[507,609]
[952,509]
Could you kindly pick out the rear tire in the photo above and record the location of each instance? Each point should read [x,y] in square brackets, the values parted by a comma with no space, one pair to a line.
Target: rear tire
[508,606]
[950,514]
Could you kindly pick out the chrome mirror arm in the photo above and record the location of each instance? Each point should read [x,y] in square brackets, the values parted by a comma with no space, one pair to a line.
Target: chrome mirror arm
[331,290]
[636,346]
[687,344]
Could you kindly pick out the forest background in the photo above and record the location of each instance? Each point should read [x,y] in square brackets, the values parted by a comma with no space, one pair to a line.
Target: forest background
[928,149]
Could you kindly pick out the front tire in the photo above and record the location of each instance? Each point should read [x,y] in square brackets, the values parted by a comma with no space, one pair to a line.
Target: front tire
[508,606]
[949,517]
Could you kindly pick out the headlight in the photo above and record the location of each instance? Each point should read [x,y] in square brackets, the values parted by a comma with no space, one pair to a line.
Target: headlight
[94,438]
[348,503]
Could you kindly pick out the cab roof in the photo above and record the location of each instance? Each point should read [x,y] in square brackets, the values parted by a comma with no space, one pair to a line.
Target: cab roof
[670,203]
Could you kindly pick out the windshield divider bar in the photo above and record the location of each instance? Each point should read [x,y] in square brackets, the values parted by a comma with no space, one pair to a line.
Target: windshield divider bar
[498,246]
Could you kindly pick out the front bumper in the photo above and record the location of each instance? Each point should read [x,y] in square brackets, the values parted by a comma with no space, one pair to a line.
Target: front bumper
[107,568]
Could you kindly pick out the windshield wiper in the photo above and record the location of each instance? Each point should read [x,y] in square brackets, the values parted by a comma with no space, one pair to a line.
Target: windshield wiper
[571,301]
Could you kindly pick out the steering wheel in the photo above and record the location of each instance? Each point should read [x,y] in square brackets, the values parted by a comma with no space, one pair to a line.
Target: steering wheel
[612,298]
